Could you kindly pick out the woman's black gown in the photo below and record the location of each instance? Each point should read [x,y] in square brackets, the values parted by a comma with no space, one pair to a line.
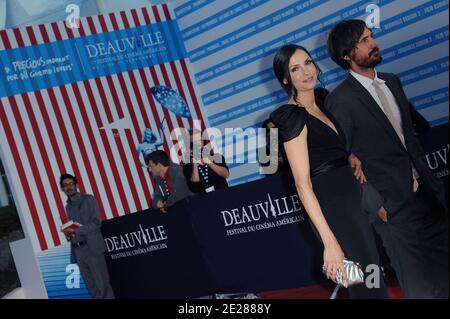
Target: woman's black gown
[336,188]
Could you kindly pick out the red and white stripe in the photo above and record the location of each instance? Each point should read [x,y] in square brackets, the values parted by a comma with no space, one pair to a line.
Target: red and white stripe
[58,130]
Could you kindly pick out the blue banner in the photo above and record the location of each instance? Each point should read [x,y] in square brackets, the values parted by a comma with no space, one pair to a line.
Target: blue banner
[250,238]
[257,237]
[155,255]
[436,147]
[52,64]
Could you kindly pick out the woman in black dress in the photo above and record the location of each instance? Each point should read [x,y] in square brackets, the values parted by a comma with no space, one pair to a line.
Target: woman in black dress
[315,148]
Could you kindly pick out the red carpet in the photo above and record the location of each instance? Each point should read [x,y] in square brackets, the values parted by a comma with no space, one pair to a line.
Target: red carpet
[323,292]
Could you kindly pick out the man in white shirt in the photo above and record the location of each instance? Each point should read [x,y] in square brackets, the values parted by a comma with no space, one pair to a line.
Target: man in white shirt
[373,111]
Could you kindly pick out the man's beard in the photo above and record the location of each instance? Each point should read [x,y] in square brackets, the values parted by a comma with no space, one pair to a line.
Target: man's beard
[370,62]
[71,193]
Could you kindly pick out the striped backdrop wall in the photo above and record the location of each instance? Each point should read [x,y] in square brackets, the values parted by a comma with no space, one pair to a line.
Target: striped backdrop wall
[86,120]
[89,122]
[231,45]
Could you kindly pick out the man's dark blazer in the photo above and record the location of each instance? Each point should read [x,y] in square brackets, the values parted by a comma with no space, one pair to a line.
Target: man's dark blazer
[371,137]
[179,185]
[83,208]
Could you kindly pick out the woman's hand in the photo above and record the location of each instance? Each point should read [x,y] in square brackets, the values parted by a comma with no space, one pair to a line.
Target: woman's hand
[333,259]
[356,165]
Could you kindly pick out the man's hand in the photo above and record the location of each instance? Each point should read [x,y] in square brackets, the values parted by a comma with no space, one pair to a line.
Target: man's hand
[69,231]
[161,205]
[356,165]
[195,161]
[383,214]
[206,161]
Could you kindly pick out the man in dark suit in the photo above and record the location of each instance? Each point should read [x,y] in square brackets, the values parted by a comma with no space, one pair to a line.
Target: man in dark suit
[372,109]
[171,185]
[87,246]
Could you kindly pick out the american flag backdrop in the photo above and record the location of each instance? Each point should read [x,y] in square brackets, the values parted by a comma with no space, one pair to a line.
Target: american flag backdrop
[90,128]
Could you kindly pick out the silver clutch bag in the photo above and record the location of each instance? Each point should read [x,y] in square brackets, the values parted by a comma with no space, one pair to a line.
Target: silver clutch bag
[355,274]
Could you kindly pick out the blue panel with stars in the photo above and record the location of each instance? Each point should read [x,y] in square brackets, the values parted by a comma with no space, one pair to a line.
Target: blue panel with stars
[171,100]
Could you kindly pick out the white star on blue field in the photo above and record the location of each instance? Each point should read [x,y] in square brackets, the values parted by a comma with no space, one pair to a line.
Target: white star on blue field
[171,100]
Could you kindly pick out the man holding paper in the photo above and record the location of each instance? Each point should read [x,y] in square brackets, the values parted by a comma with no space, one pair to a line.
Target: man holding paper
[87,246]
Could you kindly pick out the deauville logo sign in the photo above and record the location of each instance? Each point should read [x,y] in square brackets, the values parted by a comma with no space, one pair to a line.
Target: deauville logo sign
[437,161]
[124,44]
[141,241]
[263,215]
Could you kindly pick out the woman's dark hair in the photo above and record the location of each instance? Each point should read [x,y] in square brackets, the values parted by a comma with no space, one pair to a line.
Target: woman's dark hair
[281,67]
[157,157]
[266,123]
[320,95]
[342,39]
[67,176]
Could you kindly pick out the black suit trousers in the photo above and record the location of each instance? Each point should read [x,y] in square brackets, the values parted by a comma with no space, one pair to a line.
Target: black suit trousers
[416,240]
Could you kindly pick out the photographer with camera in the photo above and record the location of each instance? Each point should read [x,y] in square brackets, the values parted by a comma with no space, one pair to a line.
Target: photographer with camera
[206,171]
